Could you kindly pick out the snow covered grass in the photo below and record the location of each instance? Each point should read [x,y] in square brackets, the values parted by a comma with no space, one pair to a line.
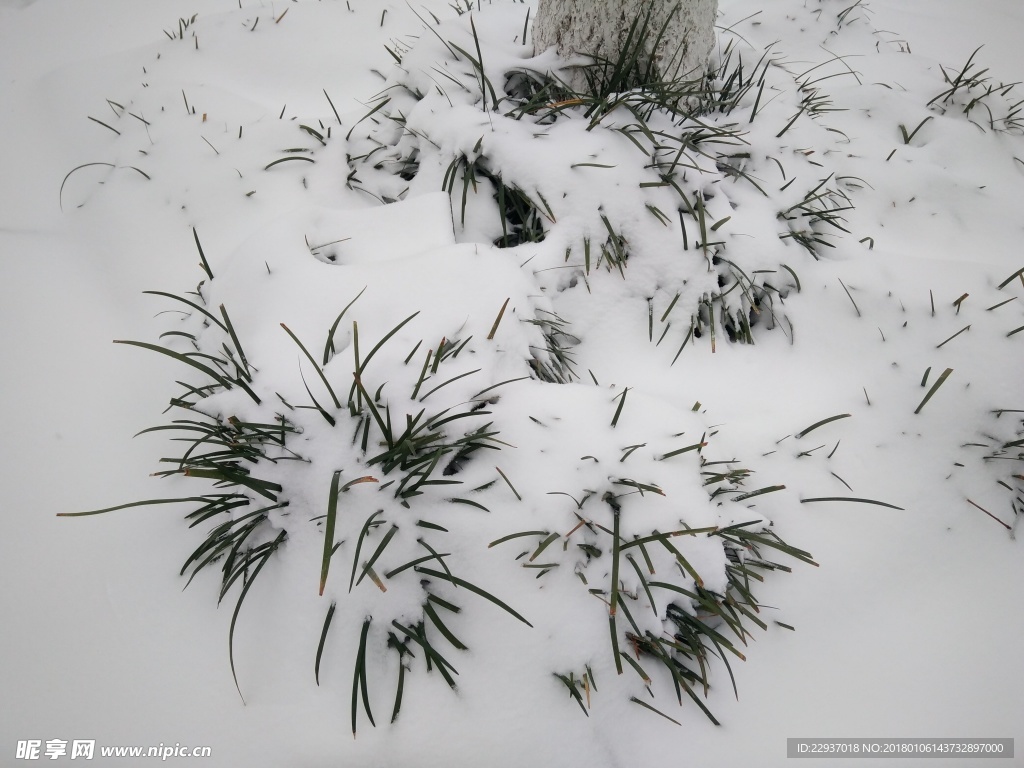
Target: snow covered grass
[471,433]
[266,444]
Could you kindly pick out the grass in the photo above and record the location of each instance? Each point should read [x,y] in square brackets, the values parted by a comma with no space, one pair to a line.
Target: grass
[704,624]
[91,165]
[393,485]
[182,28]
[686,138]
[554,363]
[982,101]
[935,388]
[249,520]
[1002,454]
[246,512]
[817,216]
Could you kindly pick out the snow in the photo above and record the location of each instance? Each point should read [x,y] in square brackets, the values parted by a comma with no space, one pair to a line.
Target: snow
[907,629]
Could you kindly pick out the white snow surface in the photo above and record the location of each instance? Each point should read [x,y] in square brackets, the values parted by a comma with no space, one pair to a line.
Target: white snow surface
[909,626]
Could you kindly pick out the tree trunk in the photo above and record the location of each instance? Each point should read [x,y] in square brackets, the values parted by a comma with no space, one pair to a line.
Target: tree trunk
[600,27]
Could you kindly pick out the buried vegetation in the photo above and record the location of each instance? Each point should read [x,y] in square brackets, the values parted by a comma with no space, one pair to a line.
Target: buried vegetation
[431,461]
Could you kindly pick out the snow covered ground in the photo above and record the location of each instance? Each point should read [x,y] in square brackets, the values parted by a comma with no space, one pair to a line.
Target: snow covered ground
[910,625]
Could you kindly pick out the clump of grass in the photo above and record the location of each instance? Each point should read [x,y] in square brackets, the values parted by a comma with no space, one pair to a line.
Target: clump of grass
[554,363]
[411,451]
[1001,443]
[983,101]
[182,28]
[636,575]
[817,216]
[406,450]
[403,445]
[686,139]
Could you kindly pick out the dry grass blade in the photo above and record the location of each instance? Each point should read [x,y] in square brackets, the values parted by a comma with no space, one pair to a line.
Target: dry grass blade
[497,321]
[1007,527]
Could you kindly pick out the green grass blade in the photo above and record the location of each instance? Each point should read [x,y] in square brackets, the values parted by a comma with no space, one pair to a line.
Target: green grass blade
[509,482]
[643,583]
[359,680]
[416,561]
[1006,282]
[637,668]
[238,606]
[613,632]
[938,383]
[377,552]
[499,384]
[449,381]
[428,609]
[851,498]
[420,638]
[323,640]
[616,552]
[469,503]
[86,165]
[148,502]
[656,711]
[622,401]
[694,447]
[202,310]
[573,691]
[359,544]
[365,361]
[380,105]
[821,423]
[965,328]
[511,536]
[333,108]
[202,256]
[758,492]
[544,545]
[329,345]
[216,376]
[263,487]
[234,339]
[332,516]
[268,166]
[316,366]
[439,557]
[475,589]
[394,642]
[665,536]
[848,294]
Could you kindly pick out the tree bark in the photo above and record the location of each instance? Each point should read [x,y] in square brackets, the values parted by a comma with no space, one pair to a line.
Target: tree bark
[599,28]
